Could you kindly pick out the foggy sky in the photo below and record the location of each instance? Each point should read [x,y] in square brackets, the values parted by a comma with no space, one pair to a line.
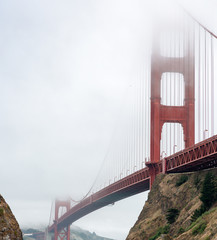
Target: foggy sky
[64,68]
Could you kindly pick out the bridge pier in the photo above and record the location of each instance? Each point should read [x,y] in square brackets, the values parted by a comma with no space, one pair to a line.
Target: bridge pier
[63,234]
[152,172]
[155,169]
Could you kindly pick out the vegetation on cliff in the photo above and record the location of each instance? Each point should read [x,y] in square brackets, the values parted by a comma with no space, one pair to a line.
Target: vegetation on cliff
[181,207]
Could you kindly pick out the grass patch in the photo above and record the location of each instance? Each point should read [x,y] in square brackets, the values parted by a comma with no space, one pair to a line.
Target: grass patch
[161,230]
[198,212]
[181,230]
[207,238]
[198,221]
[181,180]
[210,211]
[199,228]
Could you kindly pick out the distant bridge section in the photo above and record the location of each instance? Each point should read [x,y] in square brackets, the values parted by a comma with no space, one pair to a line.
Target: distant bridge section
[133,184]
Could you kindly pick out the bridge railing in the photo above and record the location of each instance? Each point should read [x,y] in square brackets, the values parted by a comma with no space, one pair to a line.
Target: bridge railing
[123,183]
[204,150]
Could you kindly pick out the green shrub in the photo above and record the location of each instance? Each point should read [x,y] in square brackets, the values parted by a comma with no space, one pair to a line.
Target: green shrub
[198,229]
[161,230]
[181,180]
[208,196]
[166,229]
[198,212]
[172,214]
[181,230]
[155,236]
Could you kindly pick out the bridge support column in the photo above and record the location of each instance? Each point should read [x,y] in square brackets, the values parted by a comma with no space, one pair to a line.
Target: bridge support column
[154,169]
[61,233]
[153,174]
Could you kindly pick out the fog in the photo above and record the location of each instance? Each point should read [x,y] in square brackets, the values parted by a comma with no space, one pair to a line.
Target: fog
[64,68]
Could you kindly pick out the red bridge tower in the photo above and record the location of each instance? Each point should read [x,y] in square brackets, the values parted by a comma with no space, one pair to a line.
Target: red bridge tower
[160,114]
[61,234]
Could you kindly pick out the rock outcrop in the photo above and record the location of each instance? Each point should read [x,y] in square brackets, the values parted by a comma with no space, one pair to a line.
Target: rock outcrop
[9,228]
[178,194]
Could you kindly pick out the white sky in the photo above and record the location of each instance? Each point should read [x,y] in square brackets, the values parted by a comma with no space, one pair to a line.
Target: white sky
[64,66]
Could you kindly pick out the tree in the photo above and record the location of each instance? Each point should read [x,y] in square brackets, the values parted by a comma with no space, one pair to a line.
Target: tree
[172,214]
[208,192]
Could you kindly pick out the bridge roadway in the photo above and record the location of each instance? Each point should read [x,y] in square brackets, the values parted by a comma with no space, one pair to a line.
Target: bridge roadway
[200,156]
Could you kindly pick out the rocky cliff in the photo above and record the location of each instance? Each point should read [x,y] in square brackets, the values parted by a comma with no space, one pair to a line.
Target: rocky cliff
[176,209]
[9,228]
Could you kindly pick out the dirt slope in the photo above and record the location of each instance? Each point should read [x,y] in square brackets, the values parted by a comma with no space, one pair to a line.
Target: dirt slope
[165,194]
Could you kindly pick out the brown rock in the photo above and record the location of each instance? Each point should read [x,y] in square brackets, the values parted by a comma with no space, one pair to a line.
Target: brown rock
[9,228]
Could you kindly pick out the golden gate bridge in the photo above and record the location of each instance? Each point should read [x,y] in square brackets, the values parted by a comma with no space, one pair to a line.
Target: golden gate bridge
[167,123]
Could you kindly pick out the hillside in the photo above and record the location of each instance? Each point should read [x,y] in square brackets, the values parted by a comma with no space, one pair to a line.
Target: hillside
[174,209]
[76,233]
[80,234]
[9,228]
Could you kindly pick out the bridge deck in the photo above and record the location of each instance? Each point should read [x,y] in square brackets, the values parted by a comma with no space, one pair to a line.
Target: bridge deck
[200,156]
[133,184]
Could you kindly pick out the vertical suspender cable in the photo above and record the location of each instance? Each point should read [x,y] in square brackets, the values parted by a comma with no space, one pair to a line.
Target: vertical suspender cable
[142,112]
[133,128]
[147,102]
[171,51]
[166,92]
[175,96]
[205,86]
[179,89]
[137,114]
[137,122]
[148,80]
[199,87]
[128,136]
[140,117]
[212,87]
[134,125]
[208,88]
[145,114]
